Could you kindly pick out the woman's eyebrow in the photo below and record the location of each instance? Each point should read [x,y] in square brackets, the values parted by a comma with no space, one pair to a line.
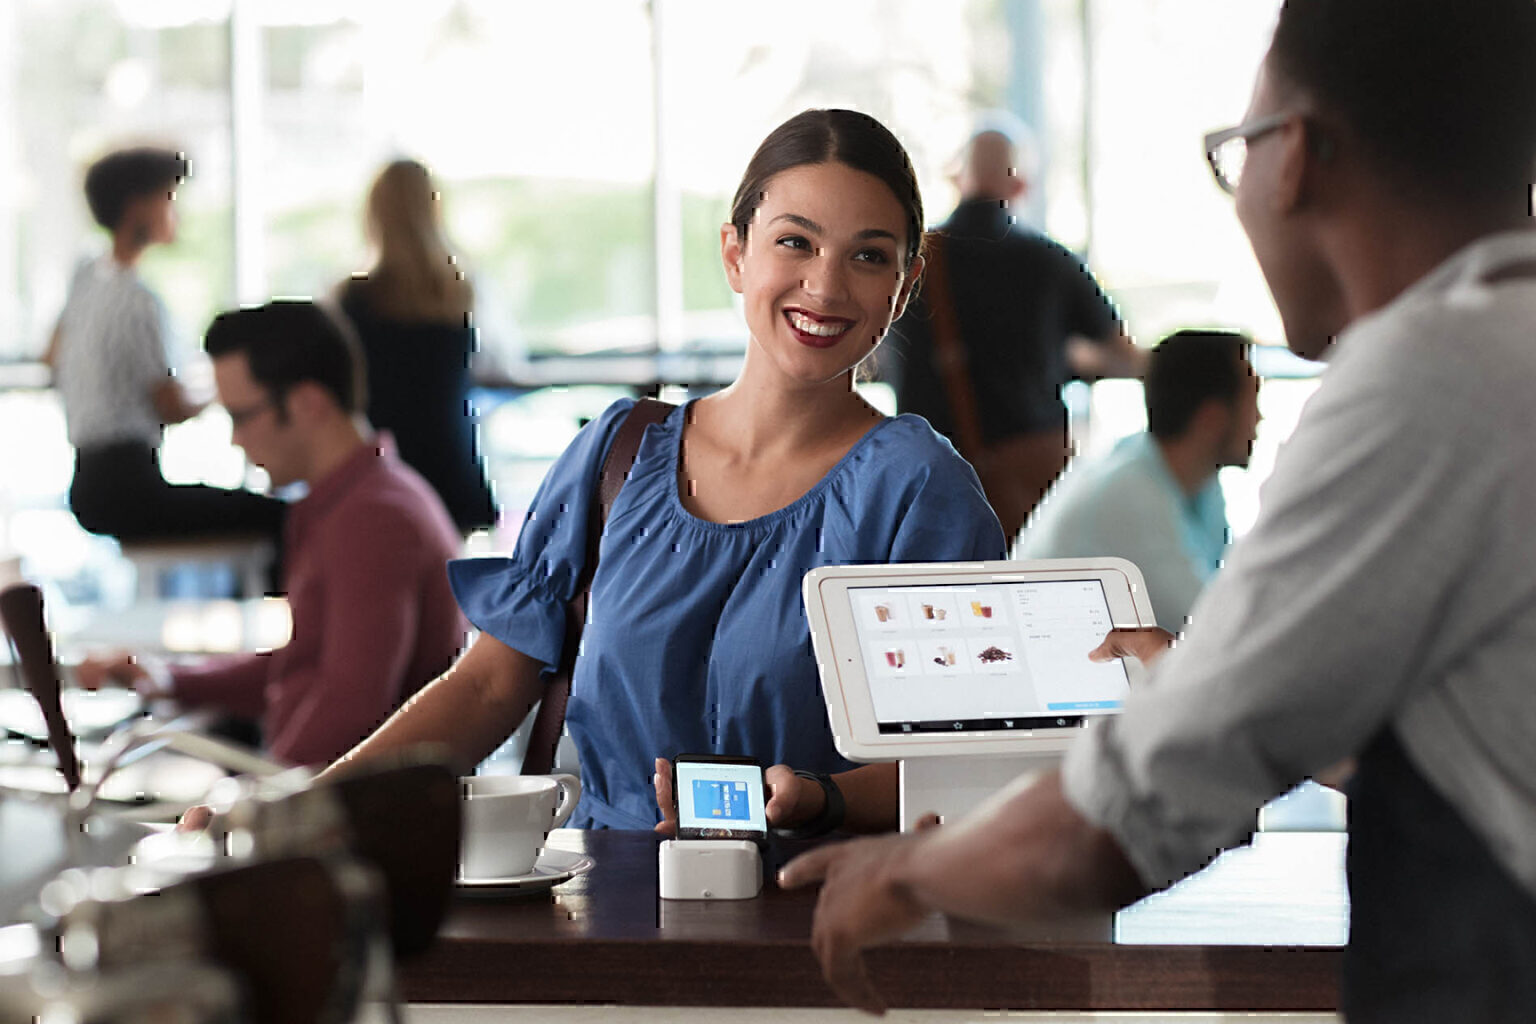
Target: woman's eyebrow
[812,226]
[796,219]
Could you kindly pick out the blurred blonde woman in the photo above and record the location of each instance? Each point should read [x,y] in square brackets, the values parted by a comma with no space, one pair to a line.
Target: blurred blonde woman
[413,314]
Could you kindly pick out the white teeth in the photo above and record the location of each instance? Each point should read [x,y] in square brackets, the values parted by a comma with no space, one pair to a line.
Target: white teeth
[809,326]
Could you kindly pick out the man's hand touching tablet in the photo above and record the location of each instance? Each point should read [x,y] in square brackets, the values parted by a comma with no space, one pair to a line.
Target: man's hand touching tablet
[1146,645]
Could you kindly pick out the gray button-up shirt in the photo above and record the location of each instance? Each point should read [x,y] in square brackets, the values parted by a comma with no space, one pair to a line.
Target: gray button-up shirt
[1389,582]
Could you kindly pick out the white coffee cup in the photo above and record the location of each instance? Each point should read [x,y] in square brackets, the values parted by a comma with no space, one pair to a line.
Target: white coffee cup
[507,817]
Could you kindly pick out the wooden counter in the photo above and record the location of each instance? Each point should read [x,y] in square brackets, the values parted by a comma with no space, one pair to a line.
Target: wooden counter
[1259,930]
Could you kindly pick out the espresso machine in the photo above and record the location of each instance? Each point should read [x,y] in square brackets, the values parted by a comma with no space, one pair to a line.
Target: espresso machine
[291,907]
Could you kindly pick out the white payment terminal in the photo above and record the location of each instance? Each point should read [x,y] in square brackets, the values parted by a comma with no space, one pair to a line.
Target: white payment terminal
[970,674]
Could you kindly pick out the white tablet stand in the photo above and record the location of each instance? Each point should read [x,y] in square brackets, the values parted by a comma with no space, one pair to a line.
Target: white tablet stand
[953,786]
[709,869]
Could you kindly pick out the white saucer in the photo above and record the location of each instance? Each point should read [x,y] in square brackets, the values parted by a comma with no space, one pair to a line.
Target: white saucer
[552,868]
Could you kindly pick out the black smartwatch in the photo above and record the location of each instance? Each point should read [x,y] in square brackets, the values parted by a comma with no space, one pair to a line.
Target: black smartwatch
[832,812]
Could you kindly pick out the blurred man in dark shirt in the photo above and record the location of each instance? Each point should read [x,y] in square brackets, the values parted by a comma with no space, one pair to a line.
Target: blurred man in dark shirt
[1004,317]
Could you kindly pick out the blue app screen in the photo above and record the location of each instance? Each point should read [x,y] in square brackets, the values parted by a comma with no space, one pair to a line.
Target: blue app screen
[720,795]
[719,800]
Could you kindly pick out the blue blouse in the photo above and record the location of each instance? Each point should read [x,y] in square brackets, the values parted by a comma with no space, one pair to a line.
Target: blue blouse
[697,640]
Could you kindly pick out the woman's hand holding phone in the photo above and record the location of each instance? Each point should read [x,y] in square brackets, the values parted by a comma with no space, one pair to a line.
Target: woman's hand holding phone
[792,801]
[665,800]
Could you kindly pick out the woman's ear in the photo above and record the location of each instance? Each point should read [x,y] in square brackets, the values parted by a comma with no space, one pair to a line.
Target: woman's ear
[908,283]
[731,254]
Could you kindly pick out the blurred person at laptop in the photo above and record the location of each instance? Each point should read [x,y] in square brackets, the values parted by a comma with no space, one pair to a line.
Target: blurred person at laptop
[368,545]
[1155,499]
[110,356]
[1383,607]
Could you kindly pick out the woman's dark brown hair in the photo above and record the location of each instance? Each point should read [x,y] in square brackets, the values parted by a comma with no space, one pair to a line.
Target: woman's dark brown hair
[832,136]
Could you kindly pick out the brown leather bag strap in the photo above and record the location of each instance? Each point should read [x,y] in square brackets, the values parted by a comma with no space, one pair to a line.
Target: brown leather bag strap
[549,723]
[950,357]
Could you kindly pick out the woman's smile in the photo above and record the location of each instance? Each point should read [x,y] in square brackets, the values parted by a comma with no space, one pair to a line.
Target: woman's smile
[817,330]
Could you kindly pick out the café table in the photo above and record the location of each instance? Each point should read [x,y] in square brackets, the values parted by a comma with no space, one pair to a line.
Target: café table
[1260,930]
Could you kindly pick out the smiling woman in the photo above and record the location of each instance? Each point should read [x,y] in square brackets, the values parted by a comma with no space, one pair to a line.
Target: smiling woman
[825,265]
[697,640]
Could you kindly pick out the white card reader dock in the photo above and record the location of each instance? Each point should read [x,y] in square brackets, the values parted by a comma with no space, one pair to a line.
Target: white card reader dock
[709,869]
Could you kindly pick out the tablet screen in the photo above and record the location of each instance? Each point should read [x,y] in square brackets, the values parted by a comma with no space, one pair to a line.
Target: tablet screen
[996,656]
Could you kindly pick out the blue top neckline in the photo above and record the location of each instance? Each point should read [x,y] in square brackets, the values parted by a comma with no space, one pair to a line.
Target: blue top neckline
[675,498]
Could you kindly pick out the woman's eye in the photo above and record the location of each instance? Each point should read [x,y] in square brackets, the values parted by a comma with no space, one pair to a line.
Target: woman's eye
[795,242]
[872,256]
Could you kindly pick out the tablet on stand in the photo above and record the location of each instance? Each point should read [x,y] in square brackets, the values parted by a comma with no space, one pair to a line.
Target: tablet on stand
[970,674]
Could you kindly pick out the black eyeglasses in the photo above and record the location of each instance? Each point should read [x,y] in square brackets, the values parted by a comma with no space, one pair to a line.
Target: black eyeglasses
[1227,150]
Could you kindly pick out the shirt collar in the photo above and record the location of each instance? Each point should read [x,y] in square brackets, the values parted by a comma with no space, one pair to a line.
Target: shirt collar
[361,464]
[1468,268]
[1477,261]
[1144,446]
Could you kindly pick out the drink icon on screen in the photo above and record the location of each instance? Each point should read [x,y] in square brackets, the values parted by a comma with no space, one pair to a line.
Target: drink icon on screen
[882,613]
[981,611]
[896,657]
[944,657]
[928,611]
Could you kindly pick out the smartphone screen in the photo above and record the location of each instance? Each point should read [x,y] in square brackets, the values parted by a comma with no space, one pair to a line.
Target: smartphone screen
[719,797]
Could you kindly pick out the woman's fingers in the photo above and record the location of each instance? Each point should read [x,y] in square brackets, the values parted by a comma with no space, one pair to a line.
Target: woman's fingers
[665,802]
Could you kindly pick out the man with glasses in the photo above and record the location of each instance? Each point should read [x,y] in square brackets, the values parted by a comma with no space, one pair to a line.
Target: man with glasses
[367,547]
[1383,608]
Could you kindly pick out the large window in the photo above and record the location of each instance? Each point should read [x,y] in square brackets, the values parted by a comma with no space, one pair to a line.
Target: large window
[538,120]
[1139,83]
[78,77]
[588,151]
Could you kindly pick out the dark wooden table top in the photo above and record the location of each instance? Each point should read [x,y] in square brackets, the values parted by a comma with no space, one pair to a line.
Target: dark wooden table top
[1259,930]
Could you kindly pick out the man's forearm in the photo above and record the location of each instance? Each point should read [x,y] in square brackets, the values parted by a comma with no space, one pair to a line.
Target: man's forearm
[234,683]
[1029,856]
[172,403]
[1116,355]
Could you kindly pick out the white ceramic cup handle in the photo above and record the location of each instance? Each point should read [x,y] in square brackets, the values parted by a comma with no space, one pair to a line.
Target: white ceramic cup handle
[570,793]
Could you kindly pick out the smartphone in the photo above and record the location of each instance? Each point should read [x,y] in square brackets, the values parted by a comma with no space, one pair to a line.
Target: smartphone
[719,797]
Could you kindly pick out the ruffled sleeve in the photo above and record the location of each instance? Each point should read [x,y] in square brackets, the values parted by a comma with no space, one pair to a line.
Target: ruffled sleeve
[521,600]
